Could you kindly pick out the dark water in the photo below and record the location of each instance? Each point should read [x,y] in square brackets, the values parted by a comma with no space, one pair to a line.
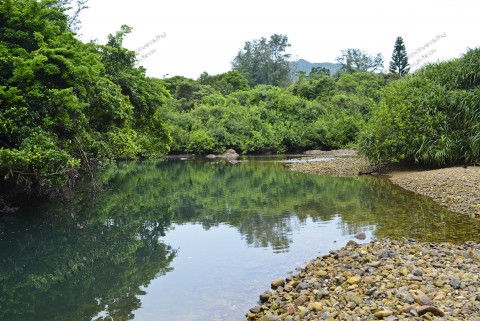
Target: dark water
[194,240]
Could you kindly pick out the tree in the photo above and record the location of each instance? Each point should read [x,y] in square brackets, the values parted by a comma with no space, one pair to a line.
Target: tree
[353,60]
[64,103]
[146,95]
[264,61]
[225,83]
[399,63]
[318,72]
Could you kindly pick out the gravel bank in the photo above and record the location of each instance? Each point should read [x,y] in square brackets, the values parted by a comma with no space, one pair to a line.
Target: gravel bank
[343,162]
[384,279]
[456,188]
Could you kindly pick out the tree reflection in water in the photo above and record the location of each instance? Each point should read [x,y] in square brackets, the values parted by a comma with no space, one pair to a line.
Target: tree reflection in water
[93,255]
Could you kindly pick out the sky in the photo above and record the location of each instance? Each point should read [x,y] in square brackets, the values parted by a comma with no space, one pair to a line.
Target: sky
[188,37]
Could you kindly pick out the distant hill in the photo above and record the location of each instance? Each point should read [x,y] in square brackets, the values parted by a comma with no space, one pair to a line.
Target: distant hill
[306,66]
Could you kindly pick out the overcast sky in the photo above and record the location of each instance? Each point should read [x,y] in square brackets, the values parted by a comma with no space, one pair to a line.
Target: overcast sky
[187,37]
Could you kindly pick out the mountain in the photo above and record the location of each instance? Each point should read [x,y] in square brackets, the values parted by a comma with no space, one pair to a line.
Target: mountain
[306,66]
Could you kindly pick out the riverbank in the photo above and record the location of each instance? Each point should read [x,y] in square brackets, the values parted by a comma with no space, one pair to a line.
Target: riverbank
[455,188]
[384,279]
[344,162]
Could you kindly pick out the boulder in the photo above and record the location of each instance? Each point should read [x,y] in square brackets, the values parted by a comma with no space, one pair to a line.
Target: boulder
[229,154]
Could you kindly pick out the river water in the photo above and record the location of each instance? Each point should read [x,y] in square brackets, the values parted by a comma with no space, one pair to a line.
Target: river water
[194,240]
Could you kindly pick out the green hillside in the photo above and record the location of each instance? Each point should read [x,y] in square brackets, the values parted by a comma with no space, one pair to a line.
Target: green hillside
[306,66]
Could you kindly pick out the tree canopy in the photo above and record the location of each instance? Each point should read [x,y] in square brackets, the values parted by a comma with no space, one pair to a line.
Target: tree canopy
[353,60]
[264,61]
[64,103]
[225,83]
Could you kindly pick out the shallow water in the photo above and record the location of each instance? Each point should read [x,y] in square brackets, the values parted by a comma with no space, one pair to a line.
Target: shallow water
[193,240]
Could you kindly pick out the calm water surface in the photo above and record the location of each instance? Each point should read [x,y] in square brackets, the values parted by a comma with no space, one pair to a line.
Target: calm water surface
[192,240]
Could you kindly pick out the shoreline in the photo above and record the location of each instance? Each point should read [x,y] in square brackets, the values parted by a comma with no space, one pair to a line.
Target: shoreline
[454,188]
[384,279]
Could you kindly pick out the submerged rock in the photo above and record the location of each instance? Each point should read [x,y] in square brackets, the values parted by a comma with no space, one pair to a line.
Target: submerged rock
[361,236]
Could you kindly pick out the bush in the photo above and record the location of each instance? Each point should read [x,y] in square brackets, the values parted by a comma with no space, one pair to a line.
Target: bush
[431,117]
[38,160]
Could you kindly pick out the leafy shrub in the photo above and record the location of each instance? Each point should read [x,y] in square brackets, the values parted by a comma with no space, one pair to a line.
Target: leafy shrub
[38,159]
[430,117]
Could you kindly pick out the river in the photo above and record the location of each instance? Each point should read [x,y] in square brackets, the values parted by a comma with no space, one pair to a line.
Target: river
[194,240]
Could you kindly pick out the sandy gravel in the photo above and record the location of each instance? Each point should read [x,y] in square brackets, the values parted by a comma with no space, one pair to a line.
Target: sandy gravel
[455,188]
[335,163]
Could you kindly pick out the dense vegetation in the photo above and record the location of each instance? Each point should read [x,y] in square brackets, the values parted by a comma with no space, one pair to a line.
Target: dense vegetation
[430,117]
[65,104]
[318,112]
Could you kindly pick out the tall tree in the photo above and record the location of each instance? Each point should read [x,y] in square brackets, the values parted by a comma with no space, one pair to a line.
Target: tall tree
[353,60]
[399,63]
[264,61]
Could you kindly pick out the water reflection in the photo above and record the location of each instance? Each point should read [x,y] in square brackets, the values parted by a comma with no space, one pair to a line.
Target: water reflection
[72,264]
[100,255]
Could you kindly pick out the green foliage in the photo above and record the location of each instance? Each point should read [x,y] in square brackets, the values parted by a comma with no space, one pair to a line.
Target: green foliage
[38,156]
[187,93]
[225,83]
[318,72]
[318,113]
[264,61]
[353,60]
[200,141]
[63,102]
[431,117]
[314,88]
[399,62]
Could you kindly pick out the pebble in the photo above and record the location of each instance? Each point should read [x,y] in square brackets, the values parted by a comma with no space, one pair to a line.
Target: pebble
[385,279]
[277,283]
[383,314]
